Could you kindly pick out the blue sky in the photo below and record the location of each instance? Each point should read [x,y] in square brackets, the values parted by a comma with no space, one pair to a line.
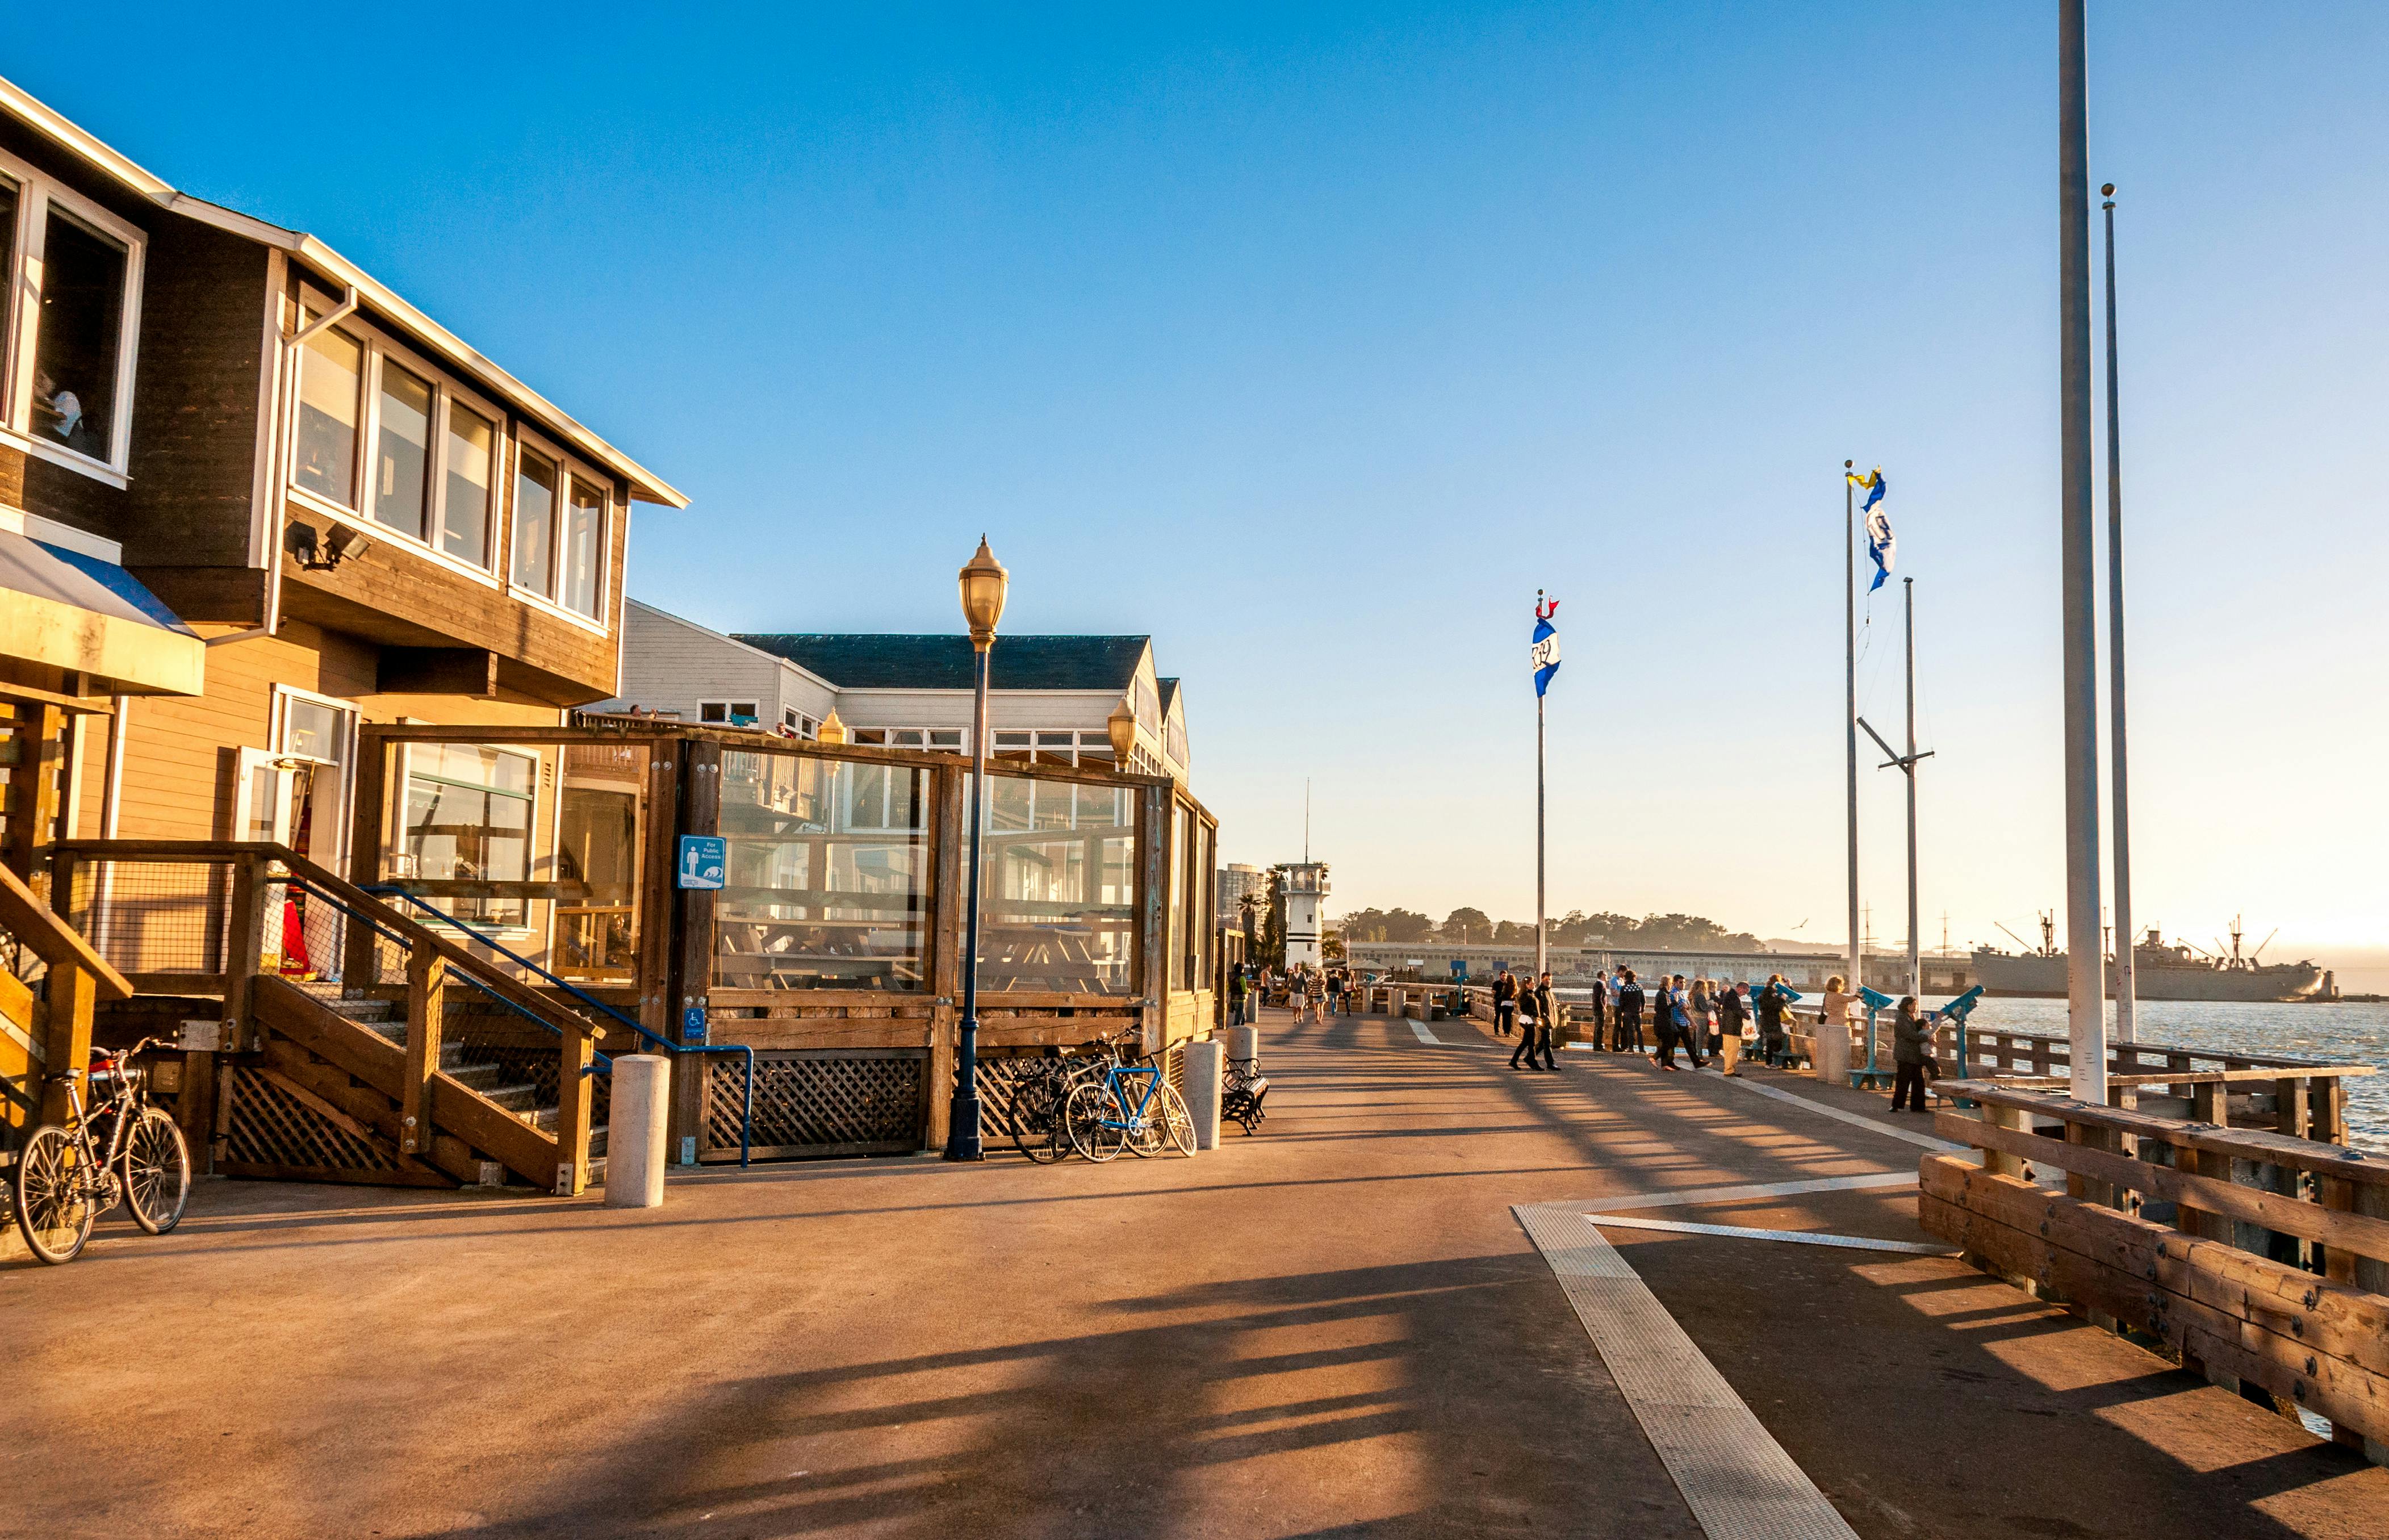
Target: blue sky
[1312,341]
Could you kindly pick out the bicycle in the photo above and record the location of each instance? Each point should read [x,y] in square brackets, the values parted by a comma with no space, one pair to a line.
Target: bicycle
[64,1183]
[1130,1107]
[1039,1096]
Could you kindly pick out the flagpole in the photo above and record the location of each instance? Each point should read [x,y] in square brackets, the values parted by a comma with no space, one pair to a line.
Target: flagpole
[2118,795]
[1850,701]
[1540,961]
[2085,1018]
[1915,947]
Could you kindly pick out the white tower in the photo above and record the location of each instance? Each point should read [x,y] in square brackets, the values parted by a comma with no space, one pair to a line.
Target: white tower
[1305,885]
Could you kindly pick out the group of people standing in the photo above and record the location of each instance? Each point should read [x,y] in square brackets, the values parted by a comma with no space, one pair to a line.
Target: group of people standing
[1705,1018]
[1318,992]
[1526,1007]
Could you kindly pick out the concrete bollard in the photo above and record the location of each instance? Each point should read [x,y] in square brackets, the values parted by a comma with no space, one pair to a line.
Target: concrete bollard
[635,1131]
[1244,1042]
[1204,1065]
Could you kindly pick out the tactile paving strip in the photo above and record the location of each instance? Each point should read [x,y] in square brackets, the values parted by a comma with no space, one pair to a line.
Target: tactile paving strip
[1798,1237]
[1735,1477]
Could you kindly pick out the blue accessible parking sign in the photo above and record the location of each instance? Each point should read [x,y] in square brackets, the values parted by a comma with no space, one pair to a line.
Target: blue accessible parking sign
[702,859]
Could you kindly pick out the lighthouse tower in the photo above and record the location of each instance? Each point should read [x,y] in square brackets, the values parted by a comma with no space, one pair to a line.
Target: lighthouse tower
[1305,887]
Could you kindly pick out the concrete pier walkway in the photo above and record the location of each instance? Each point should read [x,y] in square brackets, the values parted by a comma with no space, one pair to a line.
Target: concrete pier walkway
[1336,1326]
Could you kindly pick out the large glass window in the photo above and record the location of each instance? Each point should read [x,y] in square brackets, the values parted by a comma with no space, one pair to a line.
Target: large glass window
[10,203]
[1057,887]
[403,452]
[75,348]
[828,879]
[1179,855]
[468,822]
[331,370]
[598,837]
[471,466]
[535,524]
[584,546]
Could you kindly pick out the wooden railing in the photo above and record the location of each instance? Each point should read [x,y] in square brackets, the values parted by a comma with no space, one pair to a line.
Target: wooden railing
[210,938]
[47,1037]
[2262,1258]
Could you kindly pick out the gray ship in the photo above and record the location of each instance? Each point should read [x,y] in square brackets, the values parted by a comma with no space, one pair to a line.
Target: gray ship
[2160,971]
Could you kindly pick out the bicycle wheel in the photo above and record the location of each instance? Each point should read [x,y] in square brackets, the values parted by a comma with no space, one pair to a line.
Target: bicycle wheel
[55,1209]
[157,1170]
[1175,1124]
[1093,1116]
[1035,1110]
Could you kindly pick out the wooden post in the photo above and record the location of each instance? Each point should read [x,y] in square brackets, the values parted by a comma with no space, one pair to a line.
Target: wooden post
[1155,820]
[2329,1108]
[950,897]
[2004,1117]
[426,1008]
[576,1051]
[33,810]
[693,916]
[244,949]
[358,967]
[66,1046]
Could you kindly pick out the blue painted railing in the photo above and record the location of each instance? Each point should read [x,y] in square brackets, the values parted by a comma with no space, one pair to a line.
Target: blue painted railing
[747,1113]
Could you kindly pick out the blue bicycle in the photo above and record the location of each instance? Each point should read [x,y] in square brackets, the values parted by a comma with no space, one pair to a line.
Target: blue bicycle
[1129,1107]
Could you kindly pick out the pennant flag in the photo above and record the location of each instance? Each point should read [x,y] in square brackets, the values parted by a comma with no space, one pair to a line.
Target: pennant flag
[1881,545]
[1546,649]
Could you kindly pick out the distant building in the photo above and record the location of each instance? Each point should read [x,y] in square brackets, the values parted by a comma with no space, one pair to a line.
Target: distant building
[1236,879]
[1050,698]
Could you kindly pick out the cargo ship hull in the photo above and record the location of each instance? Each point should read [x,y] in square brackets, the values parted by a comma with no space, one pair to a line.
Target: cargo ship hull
[2043,974]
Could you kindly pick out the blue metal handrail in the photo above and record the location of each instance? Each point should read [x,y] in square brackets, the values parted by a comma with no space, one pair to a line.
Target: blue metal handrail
[746,1116]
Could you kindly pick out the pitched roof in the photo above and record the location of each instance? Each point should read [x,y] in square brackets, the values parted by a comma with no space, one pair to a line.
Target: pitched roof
[874,662]
[1169,692]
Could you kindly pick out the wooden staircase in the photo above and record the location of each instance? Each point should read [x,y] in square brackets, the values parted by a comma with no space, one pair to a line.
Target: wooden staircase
[347,1060]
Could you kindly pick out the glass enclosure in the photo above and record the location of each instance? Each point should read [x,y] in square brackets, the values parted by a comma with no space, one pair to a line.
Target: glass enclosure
[599,845]
[827,883]
[1058,887]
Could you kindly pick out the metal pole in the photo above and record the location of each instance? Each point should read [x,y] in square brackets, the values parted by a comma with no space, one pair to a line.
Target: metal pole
[1850,704]
[2118,795]
[1915,947]
[1539,942]
[2085,962]
[962,1130]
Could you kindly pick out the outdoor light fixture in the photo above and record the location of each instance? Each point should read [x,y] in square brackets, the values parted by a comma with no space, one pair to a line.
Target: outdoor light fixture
[1122,723]
[983,582]
[323,552]
[832,730]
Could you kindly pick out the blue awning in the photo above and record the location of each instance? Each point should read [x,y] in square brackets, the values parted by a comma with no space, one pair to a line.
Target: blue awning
[66,609]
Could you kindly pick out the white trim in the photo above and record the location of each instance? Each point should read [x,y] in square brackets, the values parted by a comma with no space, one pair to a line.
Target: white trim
[37,192]
[275,354]
[66,537]
[315,503]
[277,732]
[568,470]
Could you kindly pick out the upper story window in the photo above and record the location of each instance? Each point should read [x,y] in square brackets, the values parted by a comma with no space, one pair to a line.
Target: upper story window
[379,435]
[562,516]
[729,713]
[70,319]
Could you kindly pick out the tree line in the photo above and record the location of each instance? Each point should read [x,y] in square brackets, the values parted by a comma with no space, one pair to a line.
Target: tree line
[1473,926]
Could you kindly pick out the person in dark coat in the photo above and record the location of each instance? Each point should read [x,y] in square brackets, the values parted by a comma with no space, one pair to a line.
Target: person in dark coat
[1529,1018]
[1630,1015]
[1548,1014]
[1912,1034]
[1600,1005]
[1505,1003]
[1768,1004]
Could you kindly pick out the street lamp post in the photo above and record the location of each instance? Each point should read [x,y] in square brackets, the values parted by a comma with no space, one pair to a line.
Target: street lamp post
[983,581]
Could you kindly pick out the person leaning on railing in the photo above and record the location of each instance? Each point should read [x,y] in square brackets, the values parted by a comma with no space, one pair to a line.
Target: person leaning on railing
[1911,1033]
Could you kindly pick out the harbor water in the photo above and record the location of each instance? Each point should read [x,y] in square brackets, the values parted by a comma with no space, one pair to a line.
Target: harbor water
[2341,1032]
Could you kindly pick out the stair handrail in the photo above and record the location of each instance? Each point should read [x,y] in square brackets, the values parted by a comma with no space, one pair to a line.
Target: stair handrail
[746,1115]
[46,934]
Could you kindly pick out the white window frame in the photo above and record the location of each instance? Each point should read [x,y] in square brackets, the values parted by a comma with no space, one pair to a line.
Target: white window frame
[539,793]
[570,471]
[729,709]
[35,195]
[279,735]
[378,345]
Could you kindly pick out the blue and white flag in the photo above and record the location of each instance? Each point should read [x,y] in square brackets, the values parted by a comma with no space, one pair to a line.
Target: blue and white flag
[1546,649]
[1881,545]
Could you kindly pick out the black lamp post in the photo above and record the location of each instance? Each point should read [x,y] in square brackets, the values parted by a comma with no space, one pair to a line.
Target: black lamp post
[983,582]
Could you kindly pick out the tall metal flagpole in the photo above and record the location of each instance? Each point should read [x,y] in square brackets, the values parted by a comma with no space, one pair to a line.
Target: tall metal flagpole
[1541,941]
[2117,794]
[1850,679]
[1915,948]
[2085,959]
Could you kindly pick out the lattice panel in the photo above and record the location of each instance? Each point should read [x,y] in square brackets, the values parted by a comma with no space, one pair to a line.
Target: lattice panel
[270,1126]
[996,1080]
[829,1103]
[520,1064]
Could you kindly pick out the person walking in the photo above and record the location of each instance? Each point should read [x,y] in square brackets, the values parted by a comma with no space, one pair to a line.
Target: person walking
[1505,1003]
[1527,1020]
[1733,1010]
[1236,995]
[1703,1042]
[1912,1046]
[1664,1015]
[1547,1014]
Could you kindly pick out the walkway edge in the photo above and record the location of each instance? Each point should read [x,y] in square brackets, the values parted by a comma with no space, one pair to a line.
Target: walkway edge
[1735,1477]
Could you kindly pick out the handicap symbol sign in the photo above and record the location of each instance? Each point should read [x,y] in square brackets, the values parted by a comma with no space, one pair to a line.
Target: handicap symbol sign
[702,858]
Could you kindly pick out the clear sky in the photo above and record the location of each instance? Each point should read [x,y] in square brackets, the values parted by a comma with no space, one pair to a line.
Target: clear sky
[1312,341]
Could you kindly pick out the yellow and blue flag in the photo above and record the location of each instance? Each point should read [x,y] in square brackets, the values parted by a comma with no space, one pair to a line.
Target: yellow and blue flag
[1881,545]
